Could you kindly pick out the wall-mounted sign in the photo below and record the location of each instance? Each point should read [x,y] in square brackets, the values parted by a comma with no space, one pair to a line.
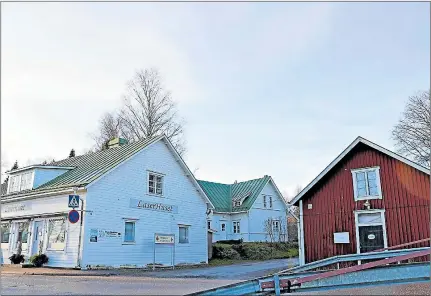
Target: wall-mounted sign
[153,206]
[341,238]
[93,235]
[73,216]
[164,238]
[15,208]
[371,236]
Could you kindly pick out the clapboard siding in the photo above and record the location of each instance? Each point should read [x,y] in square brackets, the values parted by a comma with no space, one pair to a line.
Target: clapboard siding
[406,202]
[109,200]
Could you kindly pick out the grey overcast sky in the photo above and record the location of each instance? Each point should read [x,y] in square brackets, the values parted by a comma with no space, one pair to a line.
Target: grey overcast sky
[266,88]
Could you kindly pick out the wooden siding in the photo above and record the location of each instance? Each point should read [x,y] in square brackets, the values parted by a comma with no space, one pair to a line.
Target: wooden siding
[406,200]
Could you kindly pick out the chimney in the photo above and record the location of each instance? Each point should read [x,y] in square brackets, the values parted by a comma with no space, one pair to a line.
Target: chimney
[116,142]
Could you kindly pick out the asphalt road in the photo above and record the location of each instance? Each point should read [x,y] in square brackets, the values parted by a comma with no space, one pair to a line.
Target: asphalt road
[168,282]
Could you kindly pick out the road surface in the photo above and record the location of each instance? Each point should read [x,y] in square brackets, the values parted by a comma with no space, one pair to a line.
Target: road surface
[129,282]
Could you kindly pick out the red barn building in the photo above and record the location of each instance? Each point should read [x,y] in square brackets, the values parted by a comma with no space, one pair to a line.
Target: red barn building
[368,198]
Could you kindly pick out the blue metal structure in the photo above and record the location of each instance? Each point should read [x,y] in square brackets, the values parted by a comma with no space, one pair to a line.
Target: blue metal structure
[370,274]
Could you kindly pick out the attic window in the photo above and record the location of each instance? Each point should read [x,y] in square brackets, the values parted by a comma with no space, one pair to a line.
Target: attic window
[237,203]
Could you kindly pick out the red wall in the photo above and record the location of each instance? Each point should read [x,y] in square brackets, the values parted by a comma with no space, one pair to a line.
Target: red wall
[406,199]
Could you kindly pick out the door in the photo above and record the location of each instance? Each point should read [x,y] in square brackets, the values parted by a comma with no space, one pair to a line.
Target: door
[370,232]
[37,237]
[370,238]
[223,230]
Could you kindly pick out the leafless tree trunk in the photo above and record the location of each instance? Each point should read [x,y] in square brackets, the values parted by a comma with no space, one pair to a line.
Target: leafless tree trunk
[269,230]
[283,229]
[149,111]
[412,132]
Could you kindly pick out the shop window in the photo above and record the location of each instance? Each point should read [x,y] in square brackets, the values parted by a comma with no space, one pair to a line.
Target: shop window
[5,233]
[183,234]
[56,234]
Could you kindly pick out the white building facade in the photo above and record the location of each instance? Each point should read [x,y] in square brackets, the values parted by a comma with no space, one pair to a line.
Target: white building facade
[252,210]
[128,195]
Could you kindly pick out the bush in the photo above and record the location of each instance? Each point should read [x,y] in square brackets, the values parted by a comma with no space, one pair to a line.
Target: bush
[39,260]
[16,259]
[231,241]
[223,251]
[254,251]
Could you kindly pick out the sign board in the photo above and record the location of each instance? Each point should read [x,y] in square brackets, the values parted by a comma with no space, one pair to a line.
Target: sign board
[153,206]
[371,236]
[73,216]
[15,207]
[341,238]
[73,201]
[164,238]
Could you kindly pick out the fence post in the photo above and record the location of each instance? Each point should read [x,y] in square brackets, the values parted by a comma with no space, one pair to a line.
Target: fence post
[276,285]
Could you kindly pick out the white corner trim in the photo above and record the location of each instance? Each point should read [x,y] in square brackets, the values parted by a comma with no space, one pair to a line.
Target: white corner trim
[301,236]
[346,151]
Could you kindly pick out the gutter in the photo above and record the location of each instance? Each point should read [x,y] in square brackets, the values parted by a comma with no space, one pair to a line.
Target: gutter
[36,195]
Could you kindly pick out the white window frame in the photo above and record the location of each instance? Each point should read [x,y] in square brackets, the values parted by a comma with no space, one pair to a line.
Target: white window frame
[264,202]
[134,232]
[270,201]
[209,224]
[236,227]
[19,182]
[48,248]
[155,185]
[30,181]
[237,203]
[221,226]
[187,227]
[10,188]
[5,245]
[355,189]
[357,225]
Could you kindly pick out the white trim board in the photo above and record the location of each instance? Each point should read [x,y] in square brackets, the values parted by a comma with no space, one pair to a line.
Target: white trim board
[383,223]
[345,152]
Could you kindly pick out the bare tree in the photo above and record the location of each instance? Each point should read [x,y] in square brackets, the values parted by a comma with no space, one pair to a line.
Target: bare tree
[412,132]
[282,230]
[149,110]
[268,229]
[109,128]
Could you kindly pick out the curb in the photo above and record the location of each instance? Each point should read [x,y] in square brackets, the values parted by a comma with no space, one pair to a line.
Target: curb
[59,274]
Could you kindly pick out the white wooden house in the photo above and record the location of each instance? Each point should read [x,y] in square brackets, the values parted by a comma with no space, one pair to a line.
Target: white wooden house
[128,193]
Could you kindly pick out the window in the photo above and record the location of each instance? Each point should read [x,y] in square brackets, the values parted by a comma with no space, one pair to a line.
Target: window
[270,202]
[237,203]
[223,227]
[209,224]
[366,184]
[56,234]
[5,232]
[236,227]
[184,235]
[155,184]
[26,181]
[14,183]
[129,232]
[264,201]
[275,225]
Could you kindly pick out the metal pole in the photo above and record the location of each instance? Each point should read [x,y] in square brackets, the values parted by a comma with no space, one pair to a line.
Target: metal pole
[78,259]
[173,260]
[276,285]
[154,257]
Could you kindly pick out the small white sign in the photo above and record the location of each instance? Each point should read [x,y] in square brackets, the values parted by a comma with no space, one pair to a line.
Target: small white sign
[371,236]
[164,238]
[341,238]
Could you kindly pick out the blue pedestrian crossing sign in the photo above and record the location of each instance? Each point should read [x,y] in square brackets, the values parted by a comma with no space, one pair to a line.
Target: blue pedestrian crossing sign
[73,201]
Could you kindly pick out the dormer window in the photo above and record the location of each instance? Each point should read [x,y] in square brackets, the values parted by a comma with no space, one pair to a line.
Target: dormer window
[21,182]
[237,203]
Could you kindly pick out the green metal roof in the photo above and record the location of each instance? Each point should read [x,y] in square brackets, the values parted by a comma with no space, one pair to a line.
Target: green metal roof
[222,195]
[89,167]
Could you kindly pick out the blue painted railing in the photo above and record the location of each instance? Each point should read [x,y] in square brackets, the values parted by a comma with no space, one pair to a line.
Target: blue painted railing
[351,257]
[399,273]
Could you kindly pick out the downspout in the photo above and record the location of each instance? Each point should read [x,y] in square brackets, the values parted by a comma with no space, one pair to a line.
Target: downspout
[301,235]
[248,223]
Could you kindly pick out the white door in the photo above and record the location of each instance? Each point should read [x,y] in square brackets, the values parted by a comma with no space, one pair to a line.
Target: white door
[37,237]
[223,230]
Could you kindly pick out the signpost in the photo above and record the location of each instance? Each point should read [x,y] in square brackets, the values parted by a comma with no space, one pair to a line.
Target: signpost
[73,216]
[164,239]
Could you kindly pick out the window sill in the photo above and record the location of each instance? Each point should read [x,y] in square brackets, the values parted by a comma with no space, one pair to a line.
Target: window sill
[154,194]
[368,197]
[129,243]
